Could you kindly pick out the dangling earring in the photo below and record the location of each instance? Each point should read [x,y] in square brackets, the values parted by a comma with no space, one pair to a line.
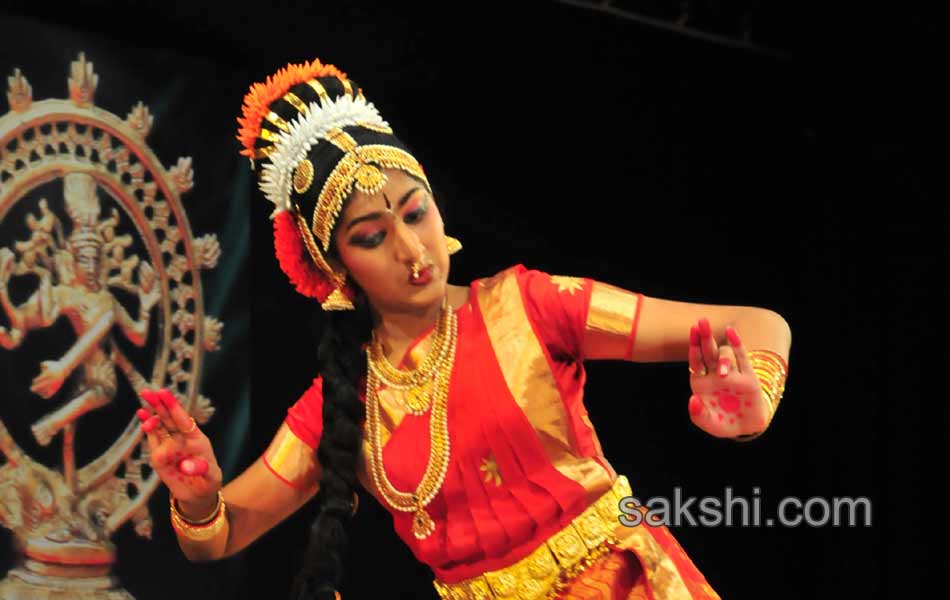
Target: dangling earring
[337,300]
[452,245]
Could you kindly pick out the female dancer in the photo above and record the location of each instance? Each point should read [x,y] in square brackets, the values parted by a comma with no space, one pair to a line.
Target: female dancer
[459,408]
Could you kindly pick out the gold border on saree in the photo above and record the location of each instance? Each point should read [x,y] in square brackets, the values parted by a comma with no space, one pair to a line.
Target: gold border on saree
[554,564]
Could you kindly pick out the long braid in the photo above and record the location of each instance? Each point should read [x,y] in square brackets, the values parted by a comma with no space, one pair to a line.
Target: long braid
[271,109]
[341,362]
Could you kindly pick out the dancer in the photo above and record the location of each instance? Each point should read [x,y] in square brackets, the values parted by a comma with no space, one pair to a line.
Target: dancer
[459,408]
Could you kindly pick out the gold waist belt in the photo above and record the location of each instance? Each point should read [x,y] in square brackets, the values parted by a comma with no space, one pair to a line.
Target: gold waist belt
[551,566]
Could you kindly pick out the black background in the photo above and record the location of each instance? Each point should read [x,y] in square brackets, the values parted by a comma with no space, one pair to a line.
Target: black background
[798,175]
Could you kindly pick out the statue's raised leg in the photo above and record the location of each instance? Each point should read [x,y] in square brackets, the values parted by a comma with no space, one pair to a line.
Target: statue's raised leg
[46,428]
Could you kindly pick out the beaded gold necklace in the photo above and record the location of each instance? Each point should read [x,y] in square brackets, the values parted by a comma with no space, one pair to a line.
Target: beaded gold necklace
[417,384]
[439,447]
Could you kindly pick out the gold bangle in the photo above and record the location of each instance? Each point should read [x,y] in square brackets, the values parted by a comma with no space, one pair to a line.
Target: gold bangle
[201,533]
[214,513]
[204,532]
[771,370]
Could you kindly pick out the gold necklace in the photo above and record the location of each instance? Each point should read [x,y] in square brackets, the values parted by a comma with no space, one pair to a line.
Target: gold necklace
[418,383]
[439,447]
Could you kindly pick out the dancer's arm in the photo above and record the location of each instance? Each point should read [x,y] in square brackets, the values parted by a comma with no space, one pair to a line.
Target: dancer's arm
[662,332]
[265,494]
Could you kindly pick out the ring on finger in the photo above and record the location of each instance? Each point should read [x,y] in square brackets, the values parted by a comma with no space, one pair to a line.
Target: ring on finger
[192,427]
[700,373]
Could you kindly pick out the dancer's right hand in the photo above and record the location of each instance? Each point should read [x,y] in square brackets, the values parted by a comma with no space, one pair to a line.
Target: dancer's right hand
[180,454]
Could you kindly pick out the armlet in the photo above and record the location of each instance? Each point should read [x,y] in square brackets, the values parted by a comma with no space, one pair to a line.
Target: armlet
[291,460]
[611,322]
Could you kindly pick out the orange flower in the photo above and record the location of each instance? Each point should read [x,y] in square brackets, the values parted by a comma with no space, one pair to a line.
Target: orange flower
[260,96]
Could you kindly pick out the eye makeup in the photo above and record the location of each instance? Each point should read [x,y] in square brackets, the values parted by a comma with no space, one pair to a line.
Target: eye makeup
[416,211]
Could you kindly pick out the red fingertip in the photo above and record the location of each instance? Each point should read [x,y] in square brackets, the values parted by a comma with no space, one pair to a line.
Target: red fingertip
[694,335]
[733,336]
[705,329]
[142,414]
[167,398]
[150,424]
[149,396]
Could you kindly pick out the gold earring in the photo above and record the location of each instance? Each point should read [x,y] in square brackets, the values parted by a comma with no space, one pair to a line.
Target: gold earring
[452,245]
[337,300]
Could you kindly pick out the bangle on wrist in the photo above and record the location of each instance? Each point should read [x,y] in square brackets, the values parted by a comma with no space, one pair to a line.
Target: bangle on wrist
[203,521]
[771,370]
[203,530]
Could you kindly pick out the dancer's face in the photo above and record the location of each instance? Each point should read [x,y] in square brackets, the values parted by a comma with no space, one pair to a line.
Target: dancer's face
[378,238]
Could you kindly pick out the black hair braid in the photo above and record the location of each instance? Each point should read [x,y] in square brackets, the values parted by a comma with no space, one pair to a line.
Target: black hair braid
[341,362]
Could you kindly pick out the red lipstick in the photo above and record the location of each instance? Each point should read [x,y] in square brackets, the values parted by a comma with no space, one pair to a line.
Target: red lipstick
[423,278]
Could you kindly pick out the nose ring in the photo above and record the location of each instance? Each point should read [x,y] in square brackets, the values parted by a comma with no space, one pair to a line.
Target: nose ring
[420,264]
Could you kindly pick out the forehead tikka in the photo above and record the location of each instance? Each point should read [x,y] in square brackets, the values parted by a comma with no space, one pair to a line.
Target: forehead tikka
[360,167]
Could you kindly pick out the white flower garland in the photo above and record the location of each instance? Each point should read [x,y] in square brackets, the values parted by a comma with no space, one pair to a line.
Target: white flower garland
[305,132]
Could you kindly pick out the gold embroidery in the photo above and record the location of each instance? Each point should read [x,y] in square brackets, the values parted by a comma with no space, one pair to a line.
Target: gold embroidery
[342,140]
[569,284]
[278,122]
[585,419]
[320,90]
[291,460]
[264,152]
[664,578]
[303,176]
[609,322]
[553,565]
[374,127]
[295,101]
[490,469]
[269,136]
[526,371]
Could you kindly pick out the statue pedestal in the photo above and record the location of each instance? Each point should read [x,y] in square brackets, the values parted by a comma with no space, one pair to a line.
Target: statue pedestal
[77,570]
[23,584]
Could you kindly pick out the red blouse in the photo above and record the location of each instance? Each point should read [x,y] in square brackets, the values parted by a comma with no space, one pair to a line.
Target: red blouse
[525,459]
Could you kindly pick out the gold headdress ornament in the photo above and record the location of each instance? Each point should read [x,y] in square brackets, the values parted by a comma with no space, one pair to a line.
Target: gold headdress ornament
[292,121]
[82,206]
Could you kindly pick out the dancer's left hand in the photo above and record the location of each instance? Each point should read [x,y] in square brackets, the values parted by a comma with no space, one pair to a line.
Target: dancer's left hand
[727,400]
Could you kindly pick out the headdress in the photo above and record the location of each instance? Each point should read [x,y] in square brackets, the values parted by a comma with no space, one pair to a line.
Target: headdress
[318,139]
[82,206]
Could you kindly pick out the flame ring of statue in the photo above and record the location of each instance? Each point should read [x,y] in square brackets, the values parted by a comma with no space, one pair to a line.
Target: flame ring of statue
[62,521]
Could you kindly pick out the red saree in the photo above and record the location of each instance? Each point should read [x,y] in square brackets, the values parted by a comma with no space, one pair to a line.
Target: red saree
[525,459]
